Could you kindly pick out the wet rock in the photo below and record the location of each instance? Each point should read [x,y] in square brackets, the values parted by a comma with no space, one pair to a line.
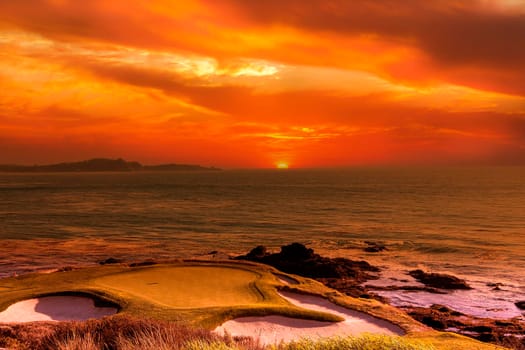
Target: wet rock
[486,337]
[495,286]
[520,305]
[479,329]
[65,269]
[296,258]
[439,280]
[502,332]
[341,274]
[143,263]
[441,308]
[217,255]
[434,323]
[374,247]
[109,261]
[296,251]
[435,316]
[258,252]
[408,288]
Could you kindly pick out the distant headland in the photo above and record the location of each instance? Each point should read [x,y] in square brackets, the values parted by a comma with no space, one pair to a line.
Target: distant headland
[100,165]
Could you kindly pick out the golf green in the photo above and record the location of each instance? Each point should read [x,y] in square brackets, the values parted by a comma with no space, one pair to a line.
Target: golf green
[187,286]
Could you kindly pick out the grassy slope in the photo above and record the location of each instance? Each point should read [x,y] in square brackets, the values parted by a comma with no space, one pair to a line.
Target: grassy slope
[206,294]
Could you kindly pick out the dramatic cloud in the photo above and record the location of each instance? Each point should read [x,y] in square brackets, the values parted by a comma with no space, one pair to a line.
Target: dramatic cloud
[446,36]
[253,83]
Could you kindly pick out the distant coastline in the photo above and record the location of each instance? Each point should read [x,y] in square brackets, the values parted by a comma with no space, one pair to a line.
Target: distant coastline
[101,165]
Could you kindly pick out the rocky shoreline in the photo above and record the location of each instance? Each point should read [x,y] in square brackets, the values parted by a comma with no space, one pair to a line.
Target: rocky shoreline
[348,276]
[341,274]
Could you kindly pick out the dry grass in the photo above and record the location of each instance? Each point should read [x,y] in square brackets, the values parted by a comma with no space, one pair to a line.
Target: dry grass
[124,333]
[77,342]
[365,342]
[115,333]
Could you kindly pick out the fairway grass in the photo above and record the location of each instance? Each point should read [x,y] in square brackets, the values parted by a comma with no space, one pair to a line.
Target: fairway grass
[187,287]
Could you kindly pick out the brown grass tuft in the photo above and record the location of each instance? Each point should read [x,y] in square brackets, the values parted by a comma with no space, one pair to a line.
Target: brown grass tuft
[114,333]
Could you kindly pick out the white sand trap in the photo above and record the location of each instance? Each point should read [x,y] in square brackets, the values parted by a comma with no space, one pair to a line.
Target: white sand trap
[55,308]
[285,279]
[274,329]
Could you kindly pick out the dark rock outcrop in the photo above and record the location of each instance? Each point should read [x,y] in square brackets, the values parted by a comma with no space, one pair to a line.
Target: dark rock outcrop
[258,252]
[508,332]
[341,274]
[143,263]
[408,288]
[296,258]
[520,305]
[65,269]
[110,261]
[374,247]
[495,286]
[439,280]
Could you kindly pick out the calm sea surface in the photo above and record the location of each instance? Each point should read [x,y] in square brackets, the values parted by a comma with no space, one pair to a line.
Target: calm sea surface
[465,221]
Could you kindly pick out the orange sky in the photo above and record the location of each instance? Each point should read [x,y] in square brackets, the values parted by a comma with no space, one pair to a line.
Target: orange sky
[237,83]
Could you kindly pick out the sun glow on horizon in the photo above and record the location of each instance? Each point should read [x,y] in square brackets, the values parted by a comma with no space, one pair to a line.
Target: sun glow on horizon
[282,165]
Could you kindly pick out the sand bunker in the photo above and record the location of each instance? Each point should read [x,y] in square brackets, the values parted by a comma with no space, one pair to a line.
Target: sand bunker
[274,329]
[285,279]
[55,308]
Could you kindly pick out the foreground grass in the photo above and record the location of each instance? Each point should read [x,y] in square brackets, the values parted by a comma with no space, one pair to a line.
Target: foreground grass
[113,333]
[125,333]
[122,333]
[365,342]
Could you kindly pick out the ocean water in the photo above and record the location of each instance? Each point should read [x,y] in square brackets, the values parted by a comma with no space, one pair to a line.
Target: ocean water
[469,222]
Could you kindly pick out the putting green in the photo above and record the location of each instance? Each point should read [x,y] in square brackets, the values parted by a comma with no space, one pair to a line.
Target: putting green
[187,286]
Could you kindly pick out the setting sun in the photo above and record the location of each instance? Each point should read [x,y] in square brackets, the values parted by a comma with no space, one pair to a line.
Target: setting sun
[282,165]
